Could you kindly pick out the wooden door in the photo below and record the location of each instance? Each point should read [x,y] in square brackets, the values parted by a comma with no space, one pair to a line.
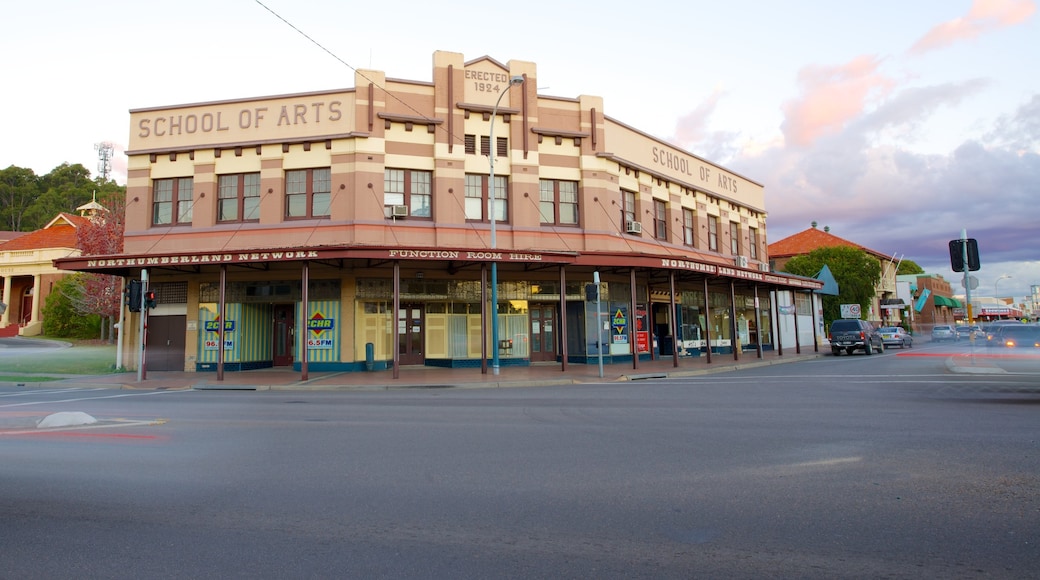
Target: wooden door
[543,332]
[411,334]
[284,336]
[166,343]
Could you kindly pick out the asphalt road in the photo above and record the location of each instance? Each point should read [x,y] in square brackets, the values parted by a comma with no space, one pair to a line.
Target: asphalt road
[852,466]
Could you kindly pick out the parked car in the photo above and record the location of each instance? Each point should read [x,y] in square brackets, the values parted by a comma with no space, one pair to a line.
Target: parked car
[896,336]
[851,335]
[941,332]
[1017,336]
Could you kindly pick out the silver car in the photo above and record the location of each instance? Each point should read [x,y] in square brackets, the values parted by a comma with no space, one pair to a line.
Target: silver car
[941,332]
[896,336]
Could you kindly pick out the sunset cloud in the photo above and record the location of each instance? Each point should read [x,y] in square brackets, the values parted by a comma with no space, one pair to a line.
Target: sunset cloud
[831,97]
[984,16]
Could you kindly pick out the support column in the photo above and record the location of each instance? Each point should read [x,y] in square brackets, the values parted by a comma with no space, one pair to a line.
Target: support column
[37,285]
[483,319]
[671,318]
[305,312]
[5,318]
[797,341]
[733,340]
[707,320]
[778,331]
[632,320]
[396,339]
[222,320]
[758,325]
[561,320]
[815,326]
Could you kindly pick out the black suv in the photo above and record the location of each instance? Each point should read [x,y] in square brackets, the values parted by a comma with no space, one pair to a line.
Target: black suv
[852,335]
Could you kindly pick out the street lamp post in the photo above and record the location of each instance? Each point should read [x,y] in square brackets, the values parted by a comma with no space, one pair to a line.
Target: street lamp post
[514,80]
[996,281]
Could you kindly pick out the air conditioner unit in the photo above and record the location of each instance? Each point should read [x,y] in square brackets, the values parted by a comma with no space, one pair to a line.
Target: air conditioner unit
[763,267]
[399,211]
[633,227]
[741,261]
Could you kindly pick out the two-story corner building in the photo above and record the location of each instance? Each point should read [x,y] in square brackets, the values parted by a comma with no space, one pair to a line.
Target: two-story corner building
[885,307]
[346,229]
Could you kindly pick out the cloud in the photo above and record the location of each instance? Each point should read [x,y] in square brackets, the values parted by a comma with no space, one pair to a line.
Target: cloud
[692,128]
[984,16]
[831,97]
[1020,131]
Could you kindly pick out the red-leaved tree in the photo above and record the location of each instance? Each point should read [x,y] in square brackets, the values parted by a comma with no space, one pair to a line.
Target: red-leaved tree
[103,235]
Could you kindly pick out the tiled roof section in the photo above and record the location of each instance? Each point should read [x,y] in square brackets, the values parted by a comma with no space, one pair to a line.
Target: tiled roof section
[811,239]
[59,233]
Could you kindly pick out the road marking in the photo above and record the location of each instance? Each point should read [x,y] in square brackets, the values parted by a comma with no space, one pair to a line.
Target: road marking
[89,399]
[51,392]
[115,423]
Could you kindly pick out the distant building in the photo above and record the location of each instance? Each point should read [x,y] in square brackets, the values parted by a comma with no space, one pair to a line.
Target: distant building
[933,300]
[27,267]
[886,306]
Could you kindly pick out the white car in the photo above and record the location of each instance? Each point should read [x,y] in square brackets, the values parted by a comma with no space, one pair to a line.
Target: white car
[941,332]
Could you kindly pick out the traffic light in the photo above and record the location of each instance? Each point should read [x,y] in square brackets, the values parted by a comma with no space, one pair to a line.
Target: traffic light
[149,299]
[133,296]
[957,255]
[591,292]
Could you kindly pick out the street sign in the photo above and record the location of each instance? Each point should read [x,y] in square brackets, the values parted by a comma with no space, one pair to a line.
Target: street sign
[973,283]
[850,311]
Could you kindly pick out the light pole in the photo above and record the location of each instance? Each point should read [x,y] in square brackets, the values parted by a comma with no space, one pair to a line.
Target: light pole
[998,280]
[514,80]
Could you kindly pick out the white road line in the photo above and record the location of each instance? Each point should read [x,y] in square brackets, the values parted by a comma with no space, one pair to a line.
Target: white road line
[89,399]
[51,392]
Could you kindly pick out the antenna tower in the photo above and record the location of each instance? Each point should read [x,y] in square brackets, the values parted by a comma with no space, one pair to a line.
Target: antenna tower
[104,159]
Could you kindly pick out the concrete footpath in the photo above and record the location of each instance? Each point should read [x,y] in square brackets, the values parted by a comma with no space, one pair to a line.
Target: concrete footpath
[540,374]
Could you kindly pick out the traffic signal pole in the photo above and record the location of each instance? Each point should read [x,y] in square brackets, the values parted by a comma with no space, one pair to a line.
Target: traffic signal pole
[967,282]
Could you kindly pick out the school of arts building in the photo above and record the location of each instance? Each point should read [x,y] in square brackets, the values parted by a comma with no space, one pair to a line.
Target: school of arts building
[351,229]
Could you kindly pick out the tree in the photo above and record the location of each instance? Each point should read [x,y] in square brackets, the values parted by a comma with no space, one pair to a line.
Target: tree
[61,318]
[18,189]
[103,235]
[909,267]
[64,189]
[856,272]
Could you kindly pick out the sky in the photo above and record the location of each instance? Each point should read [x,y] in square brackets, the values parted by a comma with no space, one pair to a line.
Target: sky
[897,125]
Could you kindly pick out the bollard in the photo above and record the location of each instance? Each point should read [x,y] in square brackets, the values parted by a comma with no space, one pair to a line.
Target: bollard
[370,356]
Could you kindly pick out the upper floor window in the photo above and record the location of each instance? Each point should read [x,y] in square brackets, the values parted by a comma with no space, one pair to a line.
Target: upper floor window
[238,197]
[713,233]
[628,209]
[689,237]
[753,242]
[308,192]
[477,198]
[660,220]
[734,238]
[558,201]
[172,201]
[411,188]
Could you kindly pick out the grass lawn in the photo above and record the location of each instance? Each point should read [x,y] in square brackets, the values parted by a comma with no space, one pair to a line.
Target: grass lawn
[85,357]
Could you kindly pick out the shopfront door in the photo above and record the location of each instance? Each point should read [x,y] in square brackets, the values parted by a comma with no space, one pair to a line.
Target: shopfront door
[543,332]
[411,334]
[284,334]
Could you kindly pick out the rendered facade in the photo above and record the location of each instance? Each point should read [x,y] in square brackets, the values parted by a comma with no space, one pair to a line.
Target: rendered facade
[350,229]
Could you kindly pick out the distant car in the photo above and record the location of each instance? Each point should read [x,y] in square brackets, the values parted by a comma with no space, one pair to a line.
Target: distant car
[994,329]
[941,332]
[969,331]
[1017,336]
[896,336]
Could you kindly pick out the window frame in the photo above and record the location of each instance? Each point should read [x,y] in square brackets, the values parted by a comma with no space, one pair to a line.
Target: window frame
[713,233]
[661,220]
[753,243]
[182,192]
[628,208]
[734,238]
[409,195]
[501,197]
[689,228]
[309,194]
[241,186]
[557,202]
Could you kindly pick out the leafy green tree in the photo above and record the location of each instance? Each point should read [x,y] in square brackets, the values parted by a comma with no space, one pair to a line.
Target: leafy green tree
[856,272]
[19,188]
[64,189]
[909,267]
[61,314]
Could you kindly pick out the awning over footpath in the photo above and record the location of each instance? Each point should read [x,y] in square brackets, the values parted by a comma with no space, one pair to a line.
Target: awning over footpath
[949,302]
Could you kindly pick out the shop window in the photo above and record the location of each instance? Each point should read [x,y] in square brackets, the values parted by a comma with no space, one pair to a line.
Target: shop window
[410,188]
[558,202]
[172,200]
[477,198]
[308,193]
[238,197]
